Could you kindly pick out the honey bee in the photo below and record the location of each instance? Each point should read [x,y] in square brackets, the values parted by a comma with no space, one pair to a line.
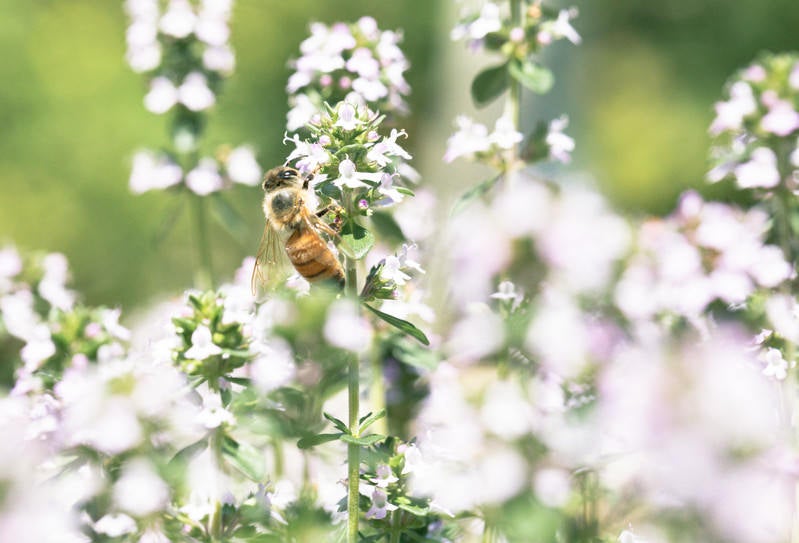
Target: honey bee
[292,232]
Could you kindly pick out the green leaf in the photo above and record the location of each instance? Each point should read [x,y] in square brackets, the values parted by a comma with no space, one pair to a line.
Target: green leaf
[356,240]
[489,85]
[318,439]
[365,441]
[243,381]
[387,227]
[339,424]
[371,418]
[413,354]
[406,191]
[414,510]
[416,506]
[245,458]
[187,453]
[474,192]
[533,76]
[230,219]
[403,325]
[225,395]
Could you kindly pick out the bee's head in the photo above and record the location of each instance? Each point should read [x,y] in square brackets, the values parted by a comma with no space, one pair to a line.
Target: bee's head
[281,176]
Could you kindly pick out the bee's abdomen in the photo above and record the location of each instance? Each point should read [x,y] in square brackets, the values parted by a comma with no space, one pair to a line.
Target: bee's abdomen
[312,258]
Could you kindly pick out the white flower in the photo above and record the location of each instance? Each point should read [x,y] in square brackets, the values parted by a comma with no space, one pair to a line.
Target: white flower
[115,525]
[562,27]
[505,135]
[213,414]
[384,476]
[760,171]
[144,58]
[387,146]
[392,271]
[371,89]
[560,145]
[552,487]
[19,318]
[488,21]
[775,365]
[205,178]
[346,329]
[212,29]
[347,117]
[363,63]
[10,262]
[194,92]
[39,348]
[273,367]
[380,505]
[730,114]
[782,119]
[507,291]
[349,177]
[162,96]
[242,166]
[179,19]
[140,491]
[388,190]
[202,345]
[470,138]
[219,58]
[110,321]
[301,113]
[153,172]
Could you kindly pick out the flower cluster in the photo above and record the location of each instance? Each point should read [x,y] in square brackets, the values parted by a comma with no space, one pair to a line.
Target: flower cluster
[705,251]
[388,274]
[184,49]
[358,63]
[346,153]
[755,128]
[213,344]
[159,171]
[386,481]
[495,30]
[37,308]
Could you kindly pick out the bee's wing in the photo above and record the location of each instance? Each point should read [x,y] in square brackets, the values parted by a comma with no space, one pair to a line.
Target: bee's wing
[271,262]
[316,223]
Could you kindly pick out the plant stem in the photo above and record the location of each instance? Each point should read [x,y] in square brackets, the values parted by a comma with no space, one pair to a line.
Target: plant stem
[353,382]
[204,277]
[395,526]
[513,107]
[377,396]
[215,522]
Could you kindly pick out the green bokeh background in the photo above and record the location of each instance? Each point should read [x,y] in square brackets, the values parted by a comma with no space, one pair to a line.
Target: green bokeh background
[639,92]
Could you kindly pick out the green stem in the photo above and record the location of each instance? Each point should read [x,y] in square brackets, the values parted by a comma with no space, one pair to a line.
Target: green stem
[215,527]
[396,532]
[204,277]
[377,392]
[353,388]
[513,104]
[277,447]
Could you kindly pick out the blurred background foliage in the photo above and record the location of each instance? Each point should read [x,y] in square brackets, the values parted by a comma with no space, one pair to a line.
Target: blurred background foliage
[639,92]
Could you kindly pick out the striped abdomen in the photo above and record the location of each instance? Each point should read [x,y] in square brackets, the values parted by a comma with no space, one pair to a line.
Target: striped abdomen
[312,258]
